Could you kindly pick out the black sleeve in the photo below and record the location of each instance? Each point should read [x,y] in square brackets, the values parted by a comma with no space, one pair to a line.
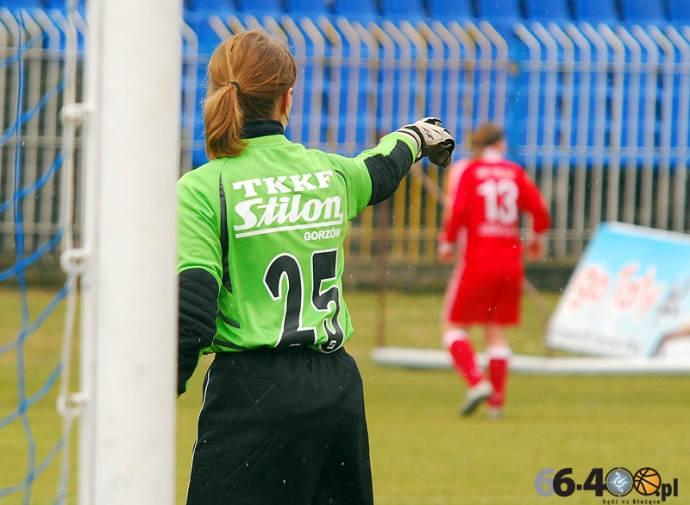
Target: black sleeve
[197,310]
[386,171]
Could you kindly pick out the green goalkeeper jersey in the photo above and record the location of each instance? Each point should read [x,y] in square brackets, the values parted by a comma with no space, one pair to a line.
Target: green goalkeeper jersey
[269,226]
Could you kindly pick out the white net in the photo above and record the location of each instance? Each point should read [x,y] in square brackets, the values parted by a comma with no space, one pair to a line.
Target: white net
[39,61]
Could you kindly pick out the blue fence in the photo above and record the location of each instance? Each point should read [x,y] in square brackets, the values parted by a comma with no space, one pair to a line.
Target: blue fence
[595,95]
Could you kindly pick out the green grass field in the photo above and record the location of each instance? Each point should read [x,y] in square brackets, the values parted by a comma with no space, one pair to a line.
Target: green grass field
[422,452]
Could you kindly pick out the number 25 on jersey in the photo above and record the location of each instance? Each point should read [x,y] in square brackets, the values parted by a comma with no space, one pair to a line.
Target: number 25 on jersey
[323,266]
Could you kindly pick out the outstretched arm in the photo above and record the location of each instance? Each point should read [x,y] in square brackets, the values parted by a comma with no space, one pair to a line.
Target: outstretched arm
[390,161]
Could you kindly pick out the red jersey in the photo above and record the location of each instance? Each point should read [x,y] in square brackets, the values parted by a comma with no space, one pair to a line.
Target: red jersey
[489,198]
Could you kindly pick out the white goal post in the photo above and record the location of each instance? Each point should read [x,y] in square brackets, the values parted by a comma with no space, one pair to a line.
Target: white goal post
[129,303]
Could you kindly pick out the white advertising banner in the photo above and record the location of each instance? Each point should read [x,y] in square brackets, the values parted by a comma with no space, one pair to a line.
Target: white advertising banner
[628,296]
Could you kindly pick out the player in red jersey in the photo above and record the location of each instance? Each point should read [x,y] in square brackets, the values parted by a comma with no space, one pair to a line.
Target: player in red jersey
[487,196]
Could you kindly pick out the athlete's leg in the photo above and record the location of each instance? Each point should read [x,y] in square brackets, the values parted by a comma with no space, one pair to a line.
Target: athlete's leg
[460,310]
[505,311]
[499,354]
[456,340]
[464,358]
[495,335]
[467,301]
[247,451]
[346,473]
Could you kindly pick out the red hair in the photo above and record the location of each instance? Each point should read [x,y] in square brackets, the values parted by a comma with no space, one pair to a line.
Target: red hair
[247,74]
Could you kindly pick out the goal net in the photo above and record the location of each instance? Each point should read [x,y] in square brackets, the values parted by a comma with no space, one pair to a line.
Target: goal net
[39,74]
[87,245]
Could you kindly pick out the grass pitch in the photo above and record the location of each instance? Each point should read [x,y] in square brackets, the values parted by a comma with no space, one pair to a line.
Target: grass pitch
[422,452]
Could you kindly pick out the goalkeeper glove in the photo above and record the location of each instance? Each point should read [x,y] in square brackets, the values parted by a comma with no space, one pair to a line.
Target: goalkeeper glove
[432,139]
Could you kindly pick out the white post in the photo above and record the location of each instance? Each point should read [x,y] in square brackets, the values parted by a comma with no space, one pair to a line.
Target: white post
[133,67]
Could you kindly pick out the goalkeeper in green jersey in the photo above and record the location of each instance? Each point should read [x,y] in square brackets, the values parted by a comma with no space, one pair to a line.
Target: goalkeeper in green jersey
[261,231]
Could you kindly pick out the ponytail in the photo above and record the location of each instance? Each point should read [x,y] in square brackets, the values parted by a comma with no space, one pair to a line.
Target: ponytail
[223,120]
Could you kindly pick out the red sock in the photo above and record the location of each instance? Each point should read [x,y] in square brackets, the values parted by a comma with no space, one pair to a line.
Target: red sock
[498,375]
[462,352]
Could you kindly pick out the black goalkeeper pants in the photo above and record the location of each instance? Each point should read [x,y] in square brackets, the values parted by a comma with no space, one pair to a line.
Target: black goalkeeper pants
[282,427]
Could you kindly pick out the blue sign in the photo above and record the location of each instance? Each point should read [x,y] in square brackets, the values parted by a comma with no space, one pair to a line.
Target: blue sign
[628,296]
